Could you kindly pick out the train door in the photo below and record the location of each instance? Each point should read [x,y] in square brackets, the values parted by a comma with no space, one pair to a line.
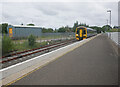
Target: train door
[81,34]
[10,32]
[84,33]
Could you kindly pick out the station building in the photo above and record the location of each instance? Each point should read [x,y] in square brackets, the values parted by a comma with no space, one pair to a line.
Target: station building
[18,31]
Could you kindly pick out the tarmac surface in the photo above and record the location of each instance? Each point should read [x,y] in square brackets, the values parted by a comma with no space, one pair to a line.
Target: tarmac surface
[94,63]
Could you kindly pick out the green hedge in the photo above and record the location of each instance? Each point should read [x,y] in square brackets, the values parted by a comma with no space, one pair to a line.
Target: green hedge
[7,45]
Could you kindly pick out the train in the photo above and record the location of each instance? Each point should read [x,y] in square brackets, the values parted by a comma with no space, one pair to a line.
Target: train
[84,32]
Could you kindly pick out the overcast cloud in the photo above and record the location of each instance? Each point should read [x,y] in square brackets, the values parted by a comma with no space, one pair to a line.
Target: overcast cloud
[57,14]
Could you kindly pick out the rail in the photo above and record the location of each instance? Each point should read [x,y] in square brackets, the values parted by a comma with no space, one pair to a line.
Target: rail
[33,52]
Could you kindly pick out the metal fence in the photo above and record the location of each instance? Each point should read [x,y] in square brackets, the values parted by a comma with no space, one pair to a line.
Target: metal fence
[46,37]
[115,36]
[55,36]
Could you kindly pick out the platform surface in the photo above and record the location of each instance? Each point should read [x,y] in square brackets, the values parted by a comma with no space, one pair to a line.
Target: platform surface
[94,63]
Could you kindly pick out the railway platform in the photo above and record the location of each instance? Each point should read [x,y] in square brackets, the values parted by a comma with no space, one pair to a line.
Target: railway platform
[93,63]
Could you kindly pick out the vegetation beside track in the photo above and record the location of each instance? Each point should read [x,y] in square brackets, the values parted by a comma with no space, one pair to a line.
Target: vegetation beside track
[7,45]
[25,45]
[0,45]
[10,45]
[114,30]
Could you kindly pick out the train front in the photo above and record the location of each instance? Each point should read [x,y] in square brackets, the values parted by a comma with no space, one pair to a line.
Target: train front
[81,33]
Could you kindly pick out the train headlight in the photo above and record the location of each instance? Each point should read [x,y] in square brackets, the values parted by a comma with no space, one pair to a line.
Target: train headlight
[76,34]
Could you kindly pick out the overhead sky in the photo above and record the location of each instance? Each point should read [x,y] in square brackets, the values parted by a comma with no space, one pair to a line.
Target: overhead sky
[57,13]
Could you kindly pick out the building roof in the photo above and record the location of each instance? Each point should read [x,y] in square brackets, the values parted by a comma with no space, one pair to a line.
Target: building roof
[25,26]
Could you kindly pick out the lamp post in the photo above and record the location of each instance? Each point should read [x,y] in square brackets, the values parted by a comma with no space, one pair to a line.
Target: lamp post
[110,15]
[110,20]
[107,21]
[107,25]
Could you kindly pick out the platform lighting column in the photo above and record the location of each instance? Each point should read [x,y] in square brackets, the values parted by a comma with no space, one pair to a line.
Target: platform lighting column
[110,15]
[110,20]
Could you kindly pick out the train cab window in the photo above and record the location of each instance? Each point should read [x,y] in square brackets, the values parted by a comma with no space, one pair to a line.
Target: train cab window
[77,31]
[84,31]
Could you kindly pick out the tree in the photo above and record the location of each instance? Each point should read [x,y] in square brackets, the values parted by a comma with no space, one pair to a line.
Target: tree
[67,28]
[7,45]
[55,30]
[31,40]
[31,24]
[61,29]
[99,29]
[106,27]
[83,24]
[0,28]
[75,26]
[44,30]
[70,29]
[50,30]
[4,28]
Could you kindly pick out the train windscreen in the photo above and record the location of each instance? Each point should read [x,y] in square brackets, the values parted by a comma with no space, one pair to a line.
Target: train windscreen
[77,31]
[84,31]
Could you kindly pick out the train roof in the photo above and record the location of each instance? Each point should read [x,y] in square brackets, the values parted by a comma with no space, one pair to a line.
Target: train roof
[87,28]
[25,26]
[81,27]
[91,29]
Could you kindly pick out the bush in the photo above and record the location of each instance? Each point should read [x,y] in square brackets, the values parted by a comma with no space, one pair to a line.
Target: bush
[31,40]
[7,45]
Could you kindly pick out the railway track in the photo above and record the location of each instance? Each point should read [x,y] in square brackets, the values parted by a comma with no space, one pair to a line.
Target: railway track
[15,58]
